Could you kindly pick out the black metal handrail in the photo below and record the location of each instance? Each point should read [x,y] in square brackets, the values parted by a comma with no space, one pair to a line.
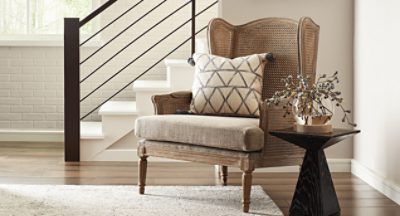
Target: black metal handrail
[142,54]
[134,40]
[112,22]
[96,12]
[143,73]
[124,30]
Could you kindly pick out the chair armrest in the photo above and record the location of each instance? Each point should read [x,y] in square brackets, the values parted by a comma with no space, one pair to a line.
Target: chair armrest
[170,103]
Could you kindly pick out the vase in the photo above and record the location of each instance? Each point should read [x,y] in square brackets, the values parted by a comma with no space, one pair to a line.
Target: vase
[310,121]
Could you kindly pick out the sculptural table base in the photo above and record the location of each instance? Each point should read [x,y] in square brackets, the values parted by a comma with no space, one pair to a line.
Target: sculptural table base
[315,193]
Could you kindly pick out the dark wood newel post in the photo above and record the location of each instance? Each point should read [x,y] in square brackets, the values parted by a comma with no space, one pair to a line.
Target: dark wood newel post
[71,90]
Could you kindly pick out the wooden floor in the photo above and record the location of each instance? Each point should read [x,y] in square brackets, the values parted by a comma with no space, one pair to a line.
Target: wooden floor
[42,163]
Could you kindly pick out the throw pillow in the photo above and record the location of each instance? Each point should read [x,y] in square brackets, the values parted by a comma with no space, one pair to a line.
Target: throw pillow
[224,86]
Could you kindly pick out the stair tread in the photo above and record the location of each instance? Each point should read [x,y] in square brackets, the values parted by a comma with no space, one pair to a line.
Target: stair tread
[177,62]
[92,130]
[118,108]
[151,85]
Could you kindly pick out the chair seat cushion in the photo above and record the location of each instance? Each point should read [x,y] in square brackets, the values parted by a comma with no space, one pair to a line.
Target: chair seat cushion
[233,133]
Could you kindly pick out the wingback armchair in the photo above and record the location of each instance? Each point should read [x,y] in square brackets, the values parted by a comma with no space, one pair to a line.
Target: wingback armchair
[234,141]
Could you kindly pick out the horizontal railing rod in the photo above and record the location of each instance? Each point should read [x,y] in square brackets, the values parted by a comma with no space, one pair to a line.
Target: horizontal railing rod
[112,22]
[96,12]
[143,73]
[128,27]
[133,41]
[142,54]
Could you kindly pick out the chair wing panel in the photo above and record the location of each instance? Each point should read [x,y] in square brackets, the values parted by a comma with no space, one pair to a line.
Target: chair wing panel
[276,35]
[220,38]
[308,46]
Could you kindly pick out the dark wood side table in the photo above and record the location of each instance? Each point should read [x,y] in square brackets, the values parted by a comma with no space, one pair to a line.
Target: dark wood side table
[315,194]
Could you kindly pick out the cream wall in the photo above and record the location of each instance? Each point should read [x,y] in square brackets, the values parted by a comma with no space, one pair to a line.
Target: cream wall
[377,75]
[32,74]
[336,40]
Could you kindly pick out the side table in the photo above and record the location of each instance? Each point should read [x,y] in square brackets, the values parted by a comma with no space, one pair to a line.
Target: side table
[315,194]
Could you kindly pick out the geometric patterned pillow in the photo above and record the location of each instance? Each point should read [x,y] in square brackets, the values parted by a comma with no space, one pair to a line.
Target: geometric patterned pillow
[224,86]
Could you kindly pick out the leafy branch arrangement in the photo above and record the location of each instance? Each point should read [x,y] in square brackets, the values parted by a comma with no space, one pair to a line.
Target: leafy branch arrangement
[308,98]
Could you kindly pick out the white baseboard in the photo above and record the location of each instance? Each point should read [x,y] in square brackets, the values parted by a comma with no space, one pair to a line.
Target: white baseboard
[21,135]
[335,165]
[385,186]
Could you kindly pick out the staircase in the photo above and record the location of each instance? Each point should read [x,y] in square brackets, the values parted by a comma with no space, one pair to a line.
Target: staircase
[113,139]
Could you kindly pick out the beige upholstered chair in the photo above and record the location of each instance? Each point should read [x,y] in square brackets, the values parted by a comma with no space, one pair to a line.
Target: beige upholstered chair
[234,141]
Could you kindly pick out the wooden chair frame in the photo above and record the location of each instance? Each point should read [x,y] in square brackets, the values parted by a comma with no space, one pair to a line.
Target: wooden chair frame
[294,45]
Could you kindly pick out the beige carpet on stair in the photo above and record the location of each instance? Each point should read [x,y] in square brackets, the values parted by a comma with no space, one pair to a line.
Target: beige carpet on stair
[31,200]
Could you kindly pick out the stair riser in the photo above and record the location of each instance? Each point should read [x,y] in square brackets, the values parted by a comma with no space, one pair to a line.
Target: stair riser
[144,103]
[180,76]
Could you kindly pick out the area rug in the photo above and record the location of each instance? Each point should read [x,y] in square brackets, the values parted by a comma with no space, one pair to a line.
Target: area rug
[31,200]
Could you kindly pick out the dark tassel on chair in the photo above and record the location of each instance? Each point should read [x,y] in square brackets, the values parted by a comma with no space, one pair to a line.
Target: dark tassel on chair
[270,57]
[191,61]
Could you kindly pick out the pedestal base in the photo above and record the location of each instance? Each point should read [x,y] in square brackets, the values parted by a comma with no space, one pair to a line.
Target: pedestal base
[315,194]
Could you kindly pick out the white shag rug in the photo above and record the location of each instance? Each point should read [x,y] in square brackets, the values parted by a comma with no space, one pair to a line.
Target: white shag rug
[59,200]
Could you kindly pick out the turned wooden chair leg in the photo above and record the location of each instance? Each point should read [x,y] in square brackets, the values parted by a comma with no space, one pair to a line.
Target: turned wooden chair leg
[224,175]
[142,166]
[246,184]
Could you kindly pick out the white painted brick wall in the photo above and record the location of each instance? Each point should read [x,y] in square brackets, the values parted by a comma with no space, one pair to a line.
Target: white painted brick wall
[31,78]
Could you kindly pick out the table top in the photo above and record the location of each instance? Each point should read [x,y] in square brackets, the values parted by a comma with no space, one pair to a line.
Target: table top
[313,140]
[336,132]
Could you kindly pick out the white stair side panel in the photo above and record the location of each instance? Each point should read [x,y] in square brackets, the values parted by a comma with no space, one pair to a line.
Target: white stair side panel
[118,120]
[123,149]
[114,127]
[91,149]
[129,141]
[117,126]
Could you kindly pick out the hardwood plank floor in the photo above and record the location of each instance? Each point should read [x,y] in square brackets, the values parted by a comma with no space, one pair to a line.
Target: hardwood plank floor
[42,163]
